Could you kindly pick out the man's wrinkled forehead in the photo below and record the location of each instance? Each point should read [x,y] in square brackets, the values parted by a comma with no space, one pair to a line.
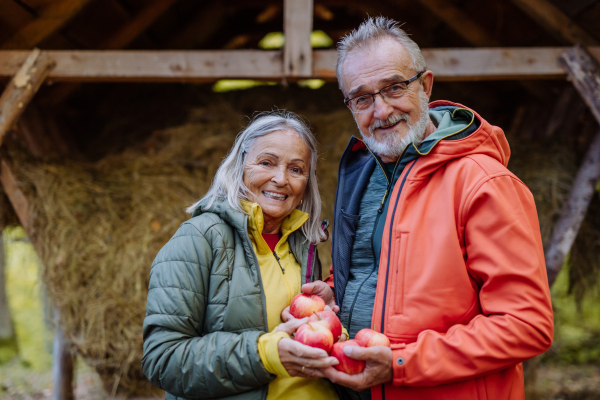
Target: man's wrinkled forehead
[385,60]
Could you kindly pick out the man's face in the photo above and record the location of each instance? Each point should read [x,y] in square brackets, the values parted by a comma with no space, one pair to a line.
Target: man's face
[367,71]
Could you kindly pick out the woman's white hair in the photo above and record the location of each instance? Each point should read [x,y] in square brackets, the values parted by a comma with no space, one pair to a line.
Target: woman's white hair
[370,31]
[229,179]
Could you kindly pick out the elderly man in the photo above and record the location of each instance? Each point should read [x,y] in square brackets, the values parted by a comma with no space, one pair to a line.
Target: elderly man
[435,242]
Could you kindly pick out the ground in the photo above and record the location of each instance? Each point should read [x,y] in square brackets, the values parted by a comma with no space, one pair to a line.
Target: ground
[568,382]
[18,382]
[21,383]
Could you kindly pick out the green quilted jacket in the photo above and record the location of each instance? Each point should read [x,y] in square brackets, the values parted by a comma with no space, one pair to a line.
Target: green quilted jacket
[206,308]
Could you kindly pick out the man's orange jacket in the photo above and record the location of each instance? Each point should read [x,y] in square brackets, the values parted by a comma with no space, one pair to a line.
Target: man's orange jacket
[462,291]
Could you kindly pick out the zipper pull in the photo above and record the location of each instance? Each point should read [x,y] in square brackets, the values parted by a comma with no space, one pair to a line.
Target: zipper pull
[382,203]
[278,262]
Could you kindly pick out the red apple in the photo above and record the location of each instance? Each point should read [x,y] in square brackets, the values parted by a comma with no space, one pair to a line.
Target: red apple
[368,337]
[315,335]
[348,365]
[305,305]
[329,320]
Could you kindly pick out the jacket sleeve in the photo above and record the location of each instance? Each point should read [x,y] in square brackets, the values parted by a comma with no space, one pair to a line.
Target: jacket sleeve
[178,357]
[505,258]
[329,279]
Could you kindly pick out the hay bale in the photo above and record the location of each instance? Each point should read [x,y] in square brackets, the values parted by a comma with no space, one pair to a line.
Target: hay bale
[98,228]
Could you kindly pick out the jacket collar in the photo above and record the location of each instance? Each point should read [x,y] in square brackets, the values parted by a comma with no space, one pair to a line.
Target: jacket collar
[290,224]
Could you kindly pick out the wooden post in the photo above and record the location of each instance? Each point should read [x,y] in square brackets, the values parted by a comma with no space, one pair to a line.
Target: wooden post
[62,365]
[297,27]
[22,88]
[584,72]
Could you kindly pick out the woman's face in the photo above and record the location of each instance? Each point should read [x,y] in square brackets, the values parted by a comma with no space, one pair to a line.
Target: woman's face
[276,172]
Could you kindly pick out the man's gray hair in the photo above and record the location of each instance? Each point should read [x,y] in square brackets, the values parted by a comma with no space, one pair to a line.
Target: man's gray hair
[229,179]
[372,30]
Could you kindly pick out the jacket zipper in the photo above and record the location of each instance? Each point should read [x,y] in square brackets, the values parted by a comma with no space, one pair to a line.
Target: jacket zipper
[279,262]
[246,238]
[379,212]
[387,273]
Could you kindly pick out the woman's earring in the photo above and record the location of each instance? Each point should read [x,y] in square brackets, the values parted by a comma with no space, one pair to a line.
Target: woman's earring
[300,201]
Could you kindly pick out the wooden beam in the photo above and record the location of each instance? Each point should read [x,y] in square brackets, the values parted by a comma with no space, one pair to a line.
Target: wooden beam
[22,88]
[297,27]
[50,20]
[207,66]
[154,66]
[12,188]
[574,210]
[555,21]
[583,70]
[137,25]
[460,22]
[475,64]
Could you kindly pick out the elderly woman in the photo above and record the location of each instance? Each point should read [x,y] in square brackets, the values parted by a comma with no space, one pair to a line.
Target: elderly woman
[218,287]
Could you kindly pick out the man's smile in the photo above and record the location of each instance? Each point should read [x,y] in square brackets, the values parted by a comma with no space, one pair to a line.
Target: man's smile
[389,127]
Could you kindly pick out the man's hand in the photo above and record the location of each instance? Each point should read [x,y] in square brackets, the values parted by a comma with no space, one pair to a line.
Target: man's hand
[322,290]
[377,371]
[300,359]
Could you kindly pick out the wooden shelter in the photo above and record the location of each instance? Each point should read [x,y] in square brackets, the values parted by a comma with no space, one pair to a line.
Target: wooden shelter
[525,43]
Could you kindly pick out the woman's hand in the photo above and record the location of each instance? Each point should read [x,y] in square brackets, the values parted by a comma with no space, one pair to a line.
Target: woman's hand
[299,359]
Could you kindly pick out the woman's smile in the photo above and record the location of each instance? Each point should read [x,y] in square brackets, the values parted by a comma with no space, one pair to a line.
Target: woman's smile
[275,195]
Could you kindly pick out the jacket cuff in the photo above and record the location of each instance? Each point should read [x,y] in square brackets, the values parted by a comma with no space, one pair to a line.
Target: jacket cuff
[269,353]
[398,364]
[345,331]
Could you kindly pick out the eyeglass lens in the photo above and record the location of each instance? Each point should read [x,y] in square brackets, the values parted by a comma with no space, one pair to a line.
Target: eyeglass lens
[364,102]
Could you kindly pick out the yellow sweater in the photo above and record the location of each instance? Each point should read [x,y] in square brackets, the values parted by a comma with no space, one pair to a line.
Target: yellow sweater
[279,290]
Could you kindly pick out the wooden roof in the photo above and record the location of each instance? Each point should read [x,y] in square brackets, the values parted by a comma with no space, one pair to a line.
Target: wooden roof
[190,24]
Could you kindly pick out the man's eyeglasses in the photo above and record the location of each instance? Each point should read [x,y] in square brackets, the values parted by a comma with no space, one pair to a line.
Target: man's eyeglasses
[394,91]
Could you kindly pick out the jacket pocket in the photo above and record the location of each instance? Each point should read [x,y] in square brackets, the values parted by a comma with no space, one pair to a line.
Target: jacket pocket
[398,272]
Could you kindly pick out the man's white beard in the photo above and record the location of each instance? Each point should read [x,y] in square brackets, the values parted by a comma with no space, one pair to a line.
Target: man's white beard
[393,144]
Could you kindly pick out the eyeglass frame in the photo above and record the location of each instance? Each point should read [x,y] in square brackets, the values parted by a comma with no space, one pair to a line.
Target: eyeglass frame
[407,82]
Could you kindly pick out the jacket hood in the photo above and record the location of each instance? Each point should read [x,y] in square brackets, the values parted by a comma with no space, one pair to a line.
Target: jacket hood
[439,149]
[223,209]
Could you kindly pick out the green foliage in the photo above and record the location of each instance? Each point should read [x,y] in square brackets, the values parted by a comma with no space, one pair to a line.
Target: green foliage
[276,40]
[24,299]
[311,83]
[319,39]
[272,41]
[227,85]
[577,324]
[8,350]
